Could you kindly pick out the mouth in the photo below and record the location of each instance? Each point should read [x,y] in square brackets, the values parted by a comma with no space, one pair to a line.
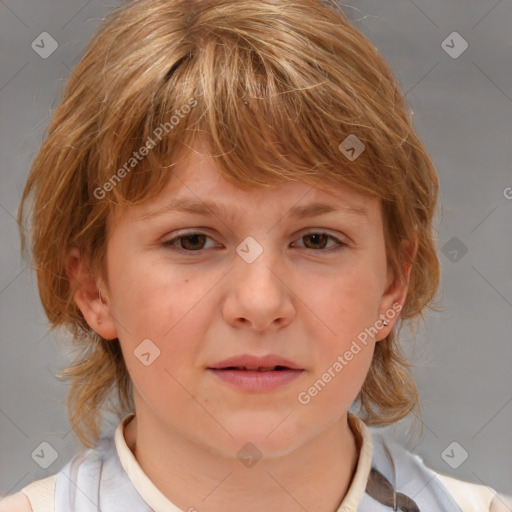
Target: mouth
[250,362]
[259,379]
[256,368]
[256,374]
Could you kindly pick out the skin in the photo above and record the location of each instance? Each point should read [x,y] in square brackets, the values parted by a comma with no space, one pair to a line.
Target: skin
[297,299]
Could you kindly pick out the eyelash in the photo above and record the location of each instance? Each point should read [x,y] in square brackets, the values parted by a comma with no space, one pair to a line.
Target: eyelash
[170,244]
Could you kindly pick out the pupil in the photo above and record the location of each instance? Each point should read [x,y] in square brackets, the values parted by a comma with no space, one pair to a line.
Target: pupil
[192,237]
[322,237]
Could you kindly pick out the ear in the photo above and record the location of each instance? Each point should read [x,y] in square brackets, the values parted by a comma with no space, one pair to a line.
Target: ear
[90,296]
[395,294]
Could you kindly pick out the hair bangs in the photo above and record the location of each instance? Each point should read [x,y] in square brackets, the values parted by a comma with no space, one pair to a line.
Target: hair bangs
[265,113]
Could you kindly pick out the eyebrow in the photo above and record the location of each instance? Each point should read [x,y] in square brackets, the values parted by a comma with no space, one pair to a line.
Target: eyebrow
[209,208]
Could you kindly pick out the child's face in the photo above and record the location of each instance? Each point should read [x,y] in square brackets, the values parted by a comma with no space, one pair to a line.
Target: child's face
[296,300]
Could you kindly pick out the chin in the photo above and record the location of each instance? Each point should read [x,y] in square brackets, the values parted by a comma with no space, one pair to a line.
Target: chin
[273,435]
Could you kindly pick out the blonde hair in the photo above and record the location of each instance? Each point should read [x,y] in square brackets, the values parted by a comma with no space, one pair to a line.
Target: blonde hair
[273,87]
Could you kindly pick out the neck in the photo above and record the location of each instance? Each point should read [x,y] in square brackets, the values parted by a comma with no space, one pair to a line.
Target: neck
[315,476]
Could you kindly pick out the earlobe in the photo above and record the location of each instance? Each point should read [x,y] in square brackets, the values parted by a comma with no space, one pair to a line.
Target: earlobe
[88,296]
[395,295]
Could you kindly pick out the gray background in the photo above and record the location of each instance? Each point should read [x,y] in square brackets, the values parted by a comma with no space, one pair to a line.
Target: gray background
[463,111]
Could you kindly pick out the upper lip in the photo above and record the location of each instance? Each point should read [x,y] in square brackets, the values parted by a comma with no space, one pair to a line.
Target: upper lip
[249,361]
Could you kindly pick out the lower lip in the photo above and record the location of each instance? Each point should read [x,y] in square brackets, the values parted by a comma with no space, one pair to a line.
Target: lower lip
[255,381]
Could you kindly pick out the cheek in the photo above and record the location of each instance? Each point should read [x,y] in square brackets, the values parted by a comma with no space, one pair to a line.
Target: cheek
[334,388]
[348,301]
[347,306]
[165,306]
[151,297]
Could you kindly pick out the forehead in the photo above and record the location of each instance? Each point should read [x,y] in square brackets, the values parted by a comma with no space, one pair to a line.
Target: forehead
[197,187]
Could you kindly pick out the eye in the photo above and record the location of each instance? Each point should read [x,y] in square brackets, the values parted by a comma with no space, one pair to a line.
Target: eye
[188,242]
[195,241]
[319,239]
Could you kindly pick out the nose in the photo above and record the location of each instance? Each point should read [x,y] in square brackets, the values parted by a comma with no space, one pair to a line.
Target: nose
[260,290]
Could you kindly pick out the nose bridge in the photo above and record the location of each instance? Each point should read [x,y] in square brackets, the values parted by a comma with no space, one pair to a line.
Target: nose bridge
[258,270]
[265,250]
[257,258]
[251,250]
[257,290]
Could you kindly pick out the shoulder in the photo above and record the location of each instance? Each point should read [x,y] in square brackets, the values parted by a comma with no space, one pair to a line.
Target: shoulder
[475,497]
[40,494]
[15,503]
[467,496]
[36,496]
[470,496]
